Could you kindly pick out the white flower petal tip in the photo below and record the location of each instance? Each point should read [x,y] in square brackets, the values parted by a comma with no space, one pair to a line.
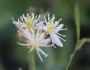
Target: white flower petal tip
[61,45]
[23,44]
[41,60]
[65,28]
[46,55]
[53,45]
[12,18]
[56,40]
[64,35]
[60,19]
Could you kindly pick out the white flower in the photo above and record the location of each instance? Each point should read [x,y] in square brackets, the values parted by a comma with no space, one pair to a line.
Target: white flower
[30,21]
[35,32]
[27,23]
[35,41]
[22,29]
[53,29]
[28,27]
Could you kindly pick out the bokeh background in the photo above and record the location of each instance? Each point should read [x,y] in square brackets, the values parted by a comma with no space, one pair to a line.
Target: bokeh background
[13,56]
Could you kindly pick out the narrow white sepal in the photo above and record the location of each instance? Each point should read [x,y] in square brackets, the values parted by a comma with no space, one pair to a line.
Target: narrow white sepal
[39,55]
[56,40]
[58,28]
[23,44]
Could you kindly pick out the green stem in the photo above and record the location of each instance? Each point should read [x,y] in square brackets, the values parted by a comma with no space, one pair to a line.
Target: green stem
[77,20]
[33,62]
[71,57]
[32,67]
[78,47]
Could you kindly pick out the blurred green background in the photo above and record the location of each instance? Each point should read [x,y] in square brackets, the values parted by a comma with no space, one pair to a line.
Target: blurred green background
[13,56]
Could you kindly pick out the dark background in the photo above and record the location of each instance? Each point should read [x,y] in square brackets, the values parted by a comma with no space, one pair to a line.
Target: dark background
[13,56]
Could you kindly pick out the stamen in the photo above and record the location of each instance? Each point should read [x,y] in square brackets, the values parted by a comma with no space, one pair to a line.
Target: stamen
[61,38]
[64,29]
[59,20]
[32,16]
[61,35]
[45,20]
[12,19]
[48,17]
[27,15]
[53,17]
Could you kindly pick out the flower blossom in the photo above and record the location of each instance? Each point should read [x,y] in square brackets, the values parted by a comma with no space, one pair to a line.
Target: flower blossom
[35,32]
[34,37]
[52,28]
[30,21]
[35,41]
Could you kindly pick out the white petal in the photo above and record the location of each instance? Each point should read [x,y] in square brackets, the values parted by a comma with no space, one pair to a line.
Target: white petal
[42,52]
[38,33]
[39,24]
[58,28]
[41,37]
[27,34]
[46,41]
[18,24]
[56,40]
[39,55]
[43,45]
[23,44]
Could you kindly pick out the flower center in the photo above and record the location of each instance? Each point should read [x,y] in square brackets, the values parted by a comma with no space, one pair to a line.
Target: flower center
[28,22]
[35,43]
[50,28]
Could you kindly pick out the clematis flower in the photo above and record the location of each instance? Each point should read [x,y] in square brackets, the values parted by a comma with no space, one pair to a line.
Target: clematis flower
[35,32]
[35,41]
[28,21]
[52,28]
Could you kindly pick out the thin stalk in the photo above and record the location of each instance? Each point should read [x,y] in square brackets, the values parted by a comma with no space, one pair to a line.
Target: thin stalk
[33,62]
[71,57]
[77,20]
[78,47]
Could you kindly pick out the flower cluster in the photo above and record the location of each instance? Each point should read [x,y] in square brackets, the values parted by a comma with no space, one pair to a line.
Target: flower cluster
[35,32]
